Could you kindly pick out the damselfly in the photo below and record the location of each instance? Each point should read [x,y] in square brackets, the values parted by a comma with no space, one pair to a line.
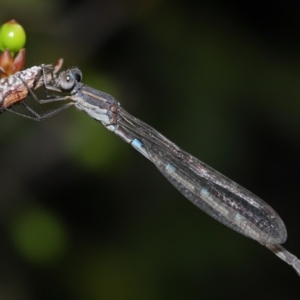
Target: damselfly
[217,195]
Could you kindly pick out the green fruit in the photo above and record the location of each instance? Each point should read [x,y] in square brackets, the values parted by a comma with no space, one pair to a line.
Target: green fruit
[12,36]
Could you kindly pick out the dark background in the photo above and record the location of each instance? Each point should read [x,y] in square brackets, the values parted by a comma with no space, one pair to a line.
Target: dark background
[85,216]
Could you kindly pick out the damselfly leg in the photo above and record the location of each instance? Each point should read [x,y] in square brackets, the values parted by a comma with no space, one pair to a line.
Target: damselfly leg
[22,84]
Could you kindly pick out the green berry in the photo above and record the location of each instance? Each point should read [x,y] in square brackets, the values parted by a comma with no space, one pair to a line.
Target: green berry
[12,36]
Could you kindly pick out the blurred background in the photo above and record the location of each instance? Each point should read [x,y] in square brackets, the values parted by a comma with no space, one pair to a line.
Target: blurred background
[85,216]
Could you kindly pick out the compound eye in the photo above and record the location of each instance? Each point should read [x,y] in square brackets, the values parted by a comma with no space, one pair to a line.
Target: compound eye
[67,80]
[77,74]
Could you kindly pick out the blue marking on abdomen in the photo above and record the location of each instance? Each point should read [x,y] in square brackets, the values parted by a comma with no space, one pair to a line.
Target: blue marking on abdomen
[170,168]
[137,143]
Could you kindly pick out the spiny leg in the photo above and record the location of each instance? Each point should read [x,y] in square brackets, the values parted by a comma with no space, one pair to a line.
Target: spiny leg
[39,117]
[50,100]
[36,116]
